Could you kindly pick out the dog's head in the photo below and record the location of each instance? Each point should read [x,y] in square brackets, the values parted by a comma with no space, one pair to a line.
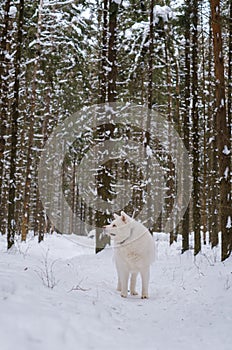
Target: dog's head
[118,227]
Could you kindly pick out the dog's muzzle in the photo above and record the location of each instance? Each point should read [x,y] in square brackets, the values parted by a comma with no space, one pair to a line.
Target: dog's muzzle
[106,231]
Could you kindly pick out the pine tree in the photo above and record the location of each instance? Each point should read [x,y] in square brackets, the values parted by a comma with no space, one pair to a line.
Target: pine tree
[186,118]
[222,133]
[4,78]
[28,171]
[14,129]
[195,131]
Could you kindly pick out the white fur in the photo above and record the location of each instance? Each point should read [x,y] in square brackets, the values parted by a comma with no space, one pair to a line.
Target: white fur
[134,252]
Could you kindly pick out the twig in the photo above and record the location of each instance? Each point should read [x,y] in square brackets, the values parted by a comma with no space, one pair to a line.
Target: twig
[78,287]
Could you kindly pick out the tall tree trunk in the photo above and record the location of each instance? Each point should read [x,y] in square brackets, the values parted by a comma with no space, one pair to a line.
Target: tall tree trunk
[205,187]
[112,51]
[148,124]
[103,63]
[186,119]
[27,188]
[102,177]
[195,131]
[213,165]
[170,176]
[3,87]
[229,99]
[42,221]
[14,131]
[4,72]
[151,54]
[222,134]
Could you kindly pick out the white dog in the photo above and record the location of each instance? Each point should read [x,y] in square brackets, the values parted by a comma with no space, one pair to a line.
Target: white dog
[134,252]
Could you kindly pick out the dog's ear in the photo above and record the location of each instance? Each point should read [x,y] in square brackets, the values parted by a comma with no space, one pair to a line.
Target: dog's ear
[116,216]
[124,214]
[123,217]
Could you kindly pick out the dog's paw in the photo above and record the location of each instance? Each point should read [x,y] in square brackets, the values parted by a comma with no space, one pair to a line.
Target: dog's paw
[133,292]
[123,295]
[144,296]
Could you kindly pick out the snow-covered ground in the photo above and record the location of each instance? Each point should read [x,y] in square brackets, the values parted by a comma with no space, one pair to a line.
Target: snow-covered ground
[59,295]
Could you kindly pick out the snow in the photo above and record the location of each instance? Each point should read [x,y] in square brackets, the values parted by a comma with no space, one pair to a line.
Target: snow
[77,29]
[12,11]
[226,151]
[190,304]
[165,12]
[228,225]
[226,172]
[149,151]
[86,14]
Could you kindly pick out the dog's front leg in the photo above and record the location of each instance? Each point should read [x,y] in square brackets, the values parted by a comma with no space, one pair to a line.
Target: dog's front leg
[145,280]
[133,283]
[124,276]
[118,268]
[119,287]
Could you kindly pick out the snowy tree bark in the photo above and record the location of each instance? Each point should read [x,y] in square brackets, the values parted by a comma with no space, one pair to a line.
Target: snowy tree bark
[112,51]
[4,76]
[171,171]
[108,90]
[229,99]
[195,131]
[186,118]
[104,49]
[202,88]
[14,130]
[28,176]
[150,103]
[212,204]
[222,134]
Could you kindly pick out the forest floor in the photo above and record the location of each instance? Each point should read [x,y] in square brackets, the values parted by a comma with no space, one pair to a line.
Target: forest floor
[59,295]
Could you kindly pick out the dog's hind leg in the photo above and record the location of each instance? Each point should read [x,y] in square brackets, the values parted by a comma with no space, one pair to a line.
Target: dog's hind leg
[133,283]
[145,273]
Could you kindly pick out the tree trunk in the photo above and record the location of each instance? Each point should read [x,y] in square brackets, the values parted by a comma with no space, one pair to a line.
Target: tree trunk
[205,187]
[103,67]
[195,131]
[171,171]
[4,72]
[212,153]
[102,177]
[27,188]
[14,131]
[186,119]
[112,51]
[229,98]
[148,124]
[222,134]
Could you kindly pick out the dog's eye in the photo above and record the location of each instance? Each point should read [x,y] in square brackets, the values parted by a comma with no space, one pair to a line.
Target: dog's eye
[114,225]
